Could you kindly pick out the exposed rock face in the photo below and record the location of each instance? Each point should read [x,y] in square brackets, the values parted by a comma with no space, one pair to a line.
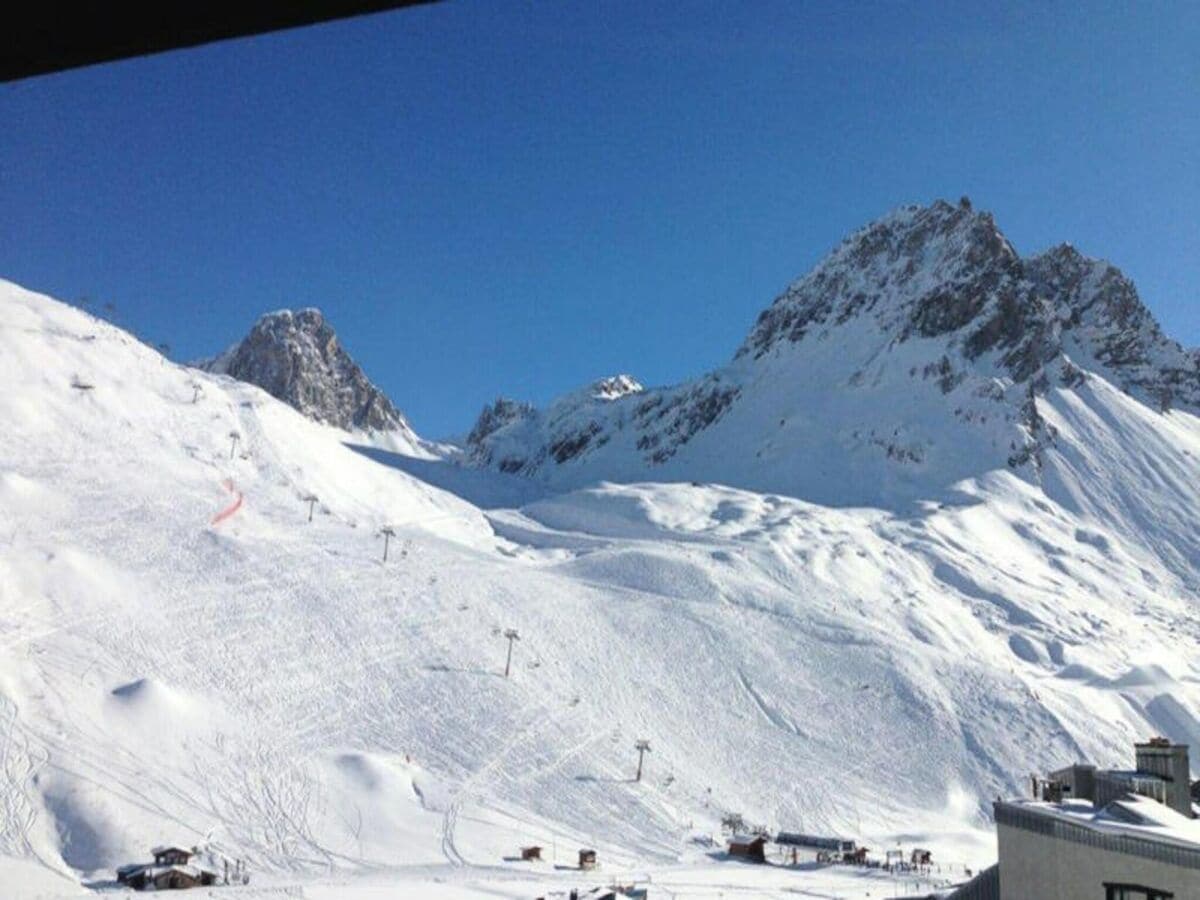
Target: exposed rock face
[947,271]
[297,358]
[496,416]
[519,438]
[516,437]
[1101,316]
[918,272]
[920,348]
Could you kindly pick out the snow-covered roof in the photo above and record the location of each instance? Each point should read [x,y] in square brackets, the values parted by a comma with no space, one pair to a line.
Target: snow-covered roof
[820,842]
[599,893]
[1131,815]
[169,848]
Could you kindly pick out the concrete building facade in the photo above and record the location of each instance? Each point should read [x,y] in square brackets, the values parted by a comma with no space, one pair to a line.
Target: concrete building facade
[1170,763]
[1052,852]
[1161,771]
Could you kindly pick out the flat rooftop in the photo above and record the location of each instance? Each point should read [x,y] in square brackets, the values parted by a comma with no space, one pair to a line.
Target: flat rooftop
[1131,816]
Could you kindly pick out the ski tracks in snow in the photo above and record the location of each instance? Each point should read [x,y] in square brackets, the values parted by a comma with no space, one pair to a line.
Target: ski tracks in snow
[769,712]
[19,767]
[537,720]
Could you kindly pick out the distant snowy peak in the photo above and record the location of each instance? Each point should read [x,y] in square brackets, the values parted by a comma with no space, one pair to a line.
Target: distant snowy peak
[296,357]
[922,338]
[616,386]
[506,429]
[519,438]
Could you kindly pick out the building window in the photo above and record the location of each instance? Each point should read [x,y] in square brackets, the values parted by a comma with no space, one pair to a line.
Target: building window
[1134,892]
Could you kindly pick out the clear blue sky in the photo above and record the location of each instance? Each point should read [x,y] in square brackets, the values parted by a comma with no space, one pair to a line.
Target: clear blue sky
[515,198]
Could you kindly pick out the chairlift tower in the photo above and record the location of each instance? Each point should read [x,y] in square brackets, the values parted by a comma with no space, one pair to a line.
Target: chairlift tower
[512,635]
[642,747]
[387,534]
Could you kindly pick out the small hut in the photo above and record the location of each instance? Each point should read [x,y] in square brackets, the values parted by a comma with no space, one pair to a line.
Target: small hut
[749,846]
[856,857]
[530,854]
[171,870]
[587,859]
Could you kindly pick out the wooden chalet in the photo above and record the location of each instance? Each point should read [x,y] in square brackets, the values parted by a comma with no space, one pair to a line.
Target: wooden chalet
[749,846]
[587,859]
[529,854]
[171,870]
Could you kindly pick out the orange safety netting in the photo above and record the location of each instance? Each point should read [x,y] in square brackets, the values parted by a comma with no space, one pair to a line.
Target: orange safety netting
[233,507]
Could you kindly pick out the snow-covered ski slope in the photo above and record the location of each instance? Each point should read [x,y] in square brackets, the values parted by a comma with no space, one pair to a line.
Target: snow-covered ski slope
[271,689]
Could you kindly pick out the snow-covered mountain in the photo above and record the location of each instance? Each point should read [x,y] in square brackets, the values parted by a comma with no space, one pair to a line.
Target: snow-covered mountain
[296,357]
[906,360]
[863,591]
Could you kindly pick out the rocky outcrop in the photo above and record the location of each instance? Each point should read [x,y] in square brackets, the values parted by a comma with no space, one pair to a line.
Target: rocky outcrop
[296,357]
[947,272]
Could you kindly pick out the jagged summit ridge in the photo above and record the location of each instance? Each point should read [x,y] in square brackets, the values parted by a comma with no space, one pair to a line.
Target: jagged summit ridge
[920,271]
[296,357]
[948,271]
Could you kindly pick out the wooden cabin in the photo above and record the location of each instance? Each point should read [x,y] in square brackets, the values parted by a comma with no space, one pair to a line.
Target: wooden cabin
[529,854]
[587,859]
[171,870]
[749,846]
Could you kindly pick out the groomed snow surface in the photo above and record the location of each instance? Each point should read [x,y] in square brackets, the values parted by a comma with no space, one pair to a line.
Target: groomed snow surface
[271,690]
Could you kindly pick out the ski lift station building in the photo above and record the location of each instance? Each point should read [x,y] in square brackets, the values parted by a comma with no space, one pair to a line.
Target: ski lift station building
[815,842]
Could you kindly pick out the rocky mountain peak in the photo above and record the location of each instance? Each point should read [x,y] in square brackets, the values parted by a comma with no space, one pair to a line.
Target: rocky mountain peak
[615,386]
[947,271]
[505,427]
[919,271]
[296,357]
